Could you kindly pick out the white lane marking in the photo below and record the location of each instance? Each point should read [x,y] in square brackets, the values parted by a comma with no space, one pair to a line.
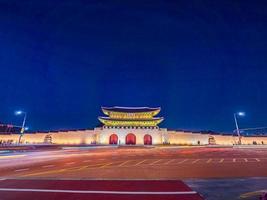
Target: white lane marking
[120,165]
[258,160]
[172,160]
[155,162]
[234,159]
[221,160]
[20,170]
[246,160]
[195,161]
[94,191]
[140,162]
[209,160]
[70,163]
[2,179]
[87,161]
[105,165]
[182,161]
[47,166]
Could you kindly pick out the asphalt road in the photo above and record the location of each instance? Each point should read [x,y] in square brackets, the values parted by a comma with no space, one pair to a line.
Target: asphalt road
[229,189]
[136,163]
[206,170]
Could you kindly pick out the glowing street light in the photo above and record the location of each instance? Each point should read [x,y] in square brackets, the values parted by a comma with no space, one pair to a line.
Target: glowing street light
[240,114]
[19,112]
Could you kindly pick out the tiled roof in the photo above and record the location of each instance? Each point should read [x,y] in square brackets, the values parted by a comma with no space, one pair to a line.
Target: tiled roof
[130,109]
[149,119]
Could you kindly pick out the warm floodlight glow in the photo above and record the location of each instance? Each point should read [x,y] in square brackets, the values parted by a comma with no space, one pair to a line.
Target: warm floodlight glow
[241,113]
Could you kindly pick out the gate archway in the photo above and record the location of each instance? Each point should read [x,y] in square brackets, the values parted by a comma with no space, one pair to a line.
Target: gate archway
[147,139]
[113,139]
[48,139]
[212,140]
[130,139]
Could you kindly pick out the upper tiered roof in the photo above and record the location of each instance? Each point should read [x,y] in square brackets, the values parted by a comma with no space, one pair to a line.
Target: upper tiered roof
[130,116]
[130,109]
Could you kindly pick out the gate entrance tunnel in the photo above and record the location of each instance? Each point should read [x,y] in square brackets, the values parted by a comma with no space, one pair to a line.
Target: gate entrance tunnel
[147,140]
[130,139]
[113,139]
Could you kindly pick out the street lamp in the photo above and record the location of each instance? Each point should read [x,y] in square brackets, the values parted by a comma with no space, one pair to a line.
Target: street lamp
[19,112]
[240,114]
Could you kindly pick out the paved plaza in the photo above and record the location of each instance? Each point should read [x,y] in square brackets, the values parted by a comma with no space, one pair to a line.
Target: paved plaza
[200,167]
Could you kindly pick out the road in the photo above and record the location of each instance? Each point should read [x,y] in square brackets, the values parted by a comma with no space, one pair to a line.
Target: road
[204,169]
[96,190]
[136,163]
[232,189]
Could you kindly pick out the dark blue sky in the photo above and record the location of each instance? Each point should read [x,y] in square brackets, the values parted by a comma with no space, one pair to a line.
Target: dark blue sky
[199,60]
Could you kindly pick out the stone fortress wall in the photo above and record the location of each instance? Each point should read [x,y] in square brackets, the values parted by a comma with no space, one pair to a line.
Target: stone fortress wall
[60,137]
[102,135]
[191,138]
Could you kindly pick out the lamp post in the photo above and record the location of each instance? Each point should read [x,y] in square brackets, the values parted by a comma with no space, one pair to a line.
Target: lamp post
[241,114]
[23,123]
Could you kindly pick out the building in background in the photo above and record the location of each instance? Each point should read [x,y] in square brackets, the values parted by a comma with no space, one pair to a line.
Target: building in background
[128,126]
[131,126]
[7,130]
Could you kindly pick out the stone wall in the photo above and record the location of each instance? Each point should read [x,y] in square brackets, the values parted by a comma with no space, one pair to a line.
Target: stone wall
[187,138]
[105,133]
[61,137]
[101,136]
[254,140]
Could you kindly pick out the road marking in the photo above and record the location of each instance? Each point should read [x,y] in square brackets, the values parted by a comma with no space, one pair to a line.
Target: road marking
[155,162]
[209,160]
[20,170]
[47,166]
[221,160]
[234,160]
[94,165]
[70,163]
[140,162]
[252,194]
[195,161]
[95,192]
[73,169]
[45,172]
[120,165]
[182,161]
[246,160]
[86,161]
[81,168]
[258,160]
[172,160]
[105,165]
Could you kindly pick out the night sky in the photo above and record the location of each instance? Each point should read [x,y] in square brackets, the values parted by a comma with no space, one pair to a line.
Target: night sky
[201,61]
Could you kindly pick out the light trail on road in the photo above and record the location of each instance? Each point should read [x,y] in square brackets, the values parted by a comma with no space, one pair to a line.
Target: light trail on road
[155,163]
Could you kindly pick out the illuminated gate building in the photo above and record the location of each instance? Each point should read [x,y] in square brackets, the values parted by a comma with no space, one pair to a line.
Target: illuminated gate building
[127,126]
[130,126]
